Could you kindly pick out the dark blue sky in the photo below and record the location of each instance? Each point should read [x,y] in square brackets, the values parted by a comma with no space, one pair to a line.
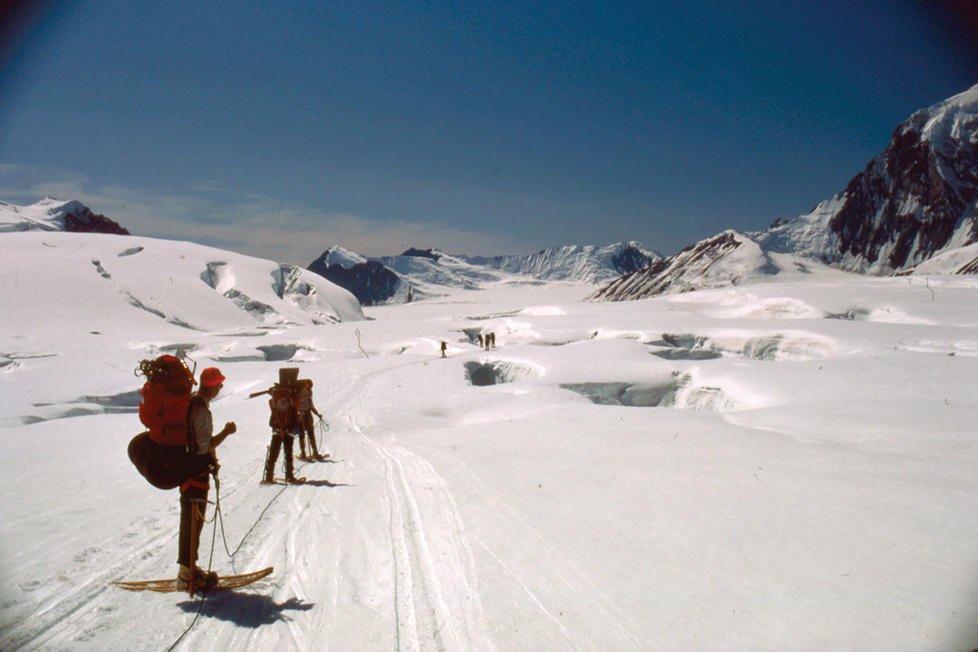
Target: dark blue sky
[483,128]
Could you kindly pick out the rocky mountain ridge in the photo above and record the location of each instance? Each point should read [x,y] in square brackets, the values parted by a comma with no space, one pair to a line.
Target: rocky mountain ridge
[421,273]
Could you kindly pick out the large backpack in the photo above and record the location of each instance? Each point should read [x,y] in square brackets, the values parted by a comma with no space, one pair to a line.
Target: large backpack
[165,400]
[303,398]
[160,454]
[283,412]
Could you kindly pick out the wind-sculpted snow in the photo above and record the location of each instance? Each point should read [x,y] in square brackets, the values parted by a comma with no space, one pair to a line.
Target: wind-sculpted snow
[179,283]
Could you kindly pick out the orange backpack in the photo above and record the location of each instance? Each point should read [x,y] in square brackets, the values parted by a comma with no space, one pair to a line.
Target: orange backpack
[166,399]
[283,413]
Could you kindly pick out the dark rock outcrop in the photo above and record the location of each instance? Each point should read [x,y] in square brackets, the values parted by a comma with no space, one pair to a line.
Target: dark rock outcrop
[370,282]
[80,219]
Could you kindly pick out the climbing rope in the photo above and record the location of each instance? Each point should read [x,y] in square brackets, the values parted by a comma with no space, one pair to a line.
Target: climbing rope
[210,561]
[219,518]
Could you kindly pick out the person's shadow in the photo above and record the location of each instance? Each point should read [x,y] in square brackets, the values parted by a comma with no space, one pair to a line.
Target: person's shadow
[245,609]
[324,483]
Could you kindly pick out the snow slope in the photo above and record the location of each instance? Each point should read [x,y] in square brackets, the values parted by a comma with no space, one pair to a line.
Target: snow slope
[784,465]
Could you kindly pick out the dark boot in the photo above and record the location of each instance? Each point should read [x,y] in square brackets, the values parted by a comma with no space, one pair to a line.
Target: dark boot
[289,475]
[289,469]
[312,446]
[203,581]
[271,458]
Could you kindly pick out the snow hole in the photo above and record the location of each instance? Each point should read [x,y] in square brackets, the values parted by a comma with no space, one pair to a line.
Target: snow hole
[279,352]
[794,345]
[497,372]
[679,392]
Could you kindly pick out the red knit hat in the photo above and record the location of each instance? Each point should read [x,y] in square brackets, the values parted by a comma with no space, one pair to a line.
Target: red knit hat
[211,376]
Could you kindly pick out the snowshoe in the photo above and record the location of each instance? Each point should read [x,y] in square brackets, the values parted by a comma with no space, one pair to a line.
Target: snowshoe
[204,581]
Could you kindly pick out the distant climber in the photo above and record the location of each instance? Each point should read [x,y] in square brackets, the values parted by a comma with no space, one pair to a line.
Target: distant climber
[444,349]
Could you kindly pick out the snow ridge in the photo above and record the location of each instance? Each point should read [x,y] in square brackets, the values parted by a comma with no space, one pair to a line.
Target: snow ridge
[728,258]
[51,214]
[587,263]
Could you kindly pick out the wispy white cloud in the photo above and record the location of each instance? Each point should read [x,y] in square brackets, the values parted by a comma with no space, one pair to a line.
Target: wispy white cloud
[260,226]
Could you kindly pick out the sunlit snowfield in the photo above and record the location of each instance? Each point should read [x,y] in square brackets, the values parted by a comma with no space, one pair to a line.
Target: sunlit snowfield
[786,465]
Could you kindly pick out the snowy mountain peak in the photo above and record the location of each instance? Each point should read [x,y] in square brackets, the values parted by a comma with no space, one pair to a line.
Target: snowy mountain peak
[337,255]
[953,117]
[728,258]
[919,197]
[50,214]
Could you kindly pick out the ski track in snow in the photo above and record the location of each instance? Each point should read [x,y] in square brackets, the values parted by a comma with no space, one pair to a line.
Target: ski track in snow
[410,559]
[55,623]
[435,599]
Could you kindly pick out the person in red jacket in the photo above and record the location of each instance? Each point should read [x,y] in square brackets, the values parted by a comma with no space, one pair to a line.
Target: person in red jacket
[193,493]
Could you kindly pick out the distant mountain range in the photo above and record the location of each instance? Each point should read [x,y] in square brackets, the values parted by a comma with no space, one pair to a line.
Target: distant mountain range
[914,209]
[421,273]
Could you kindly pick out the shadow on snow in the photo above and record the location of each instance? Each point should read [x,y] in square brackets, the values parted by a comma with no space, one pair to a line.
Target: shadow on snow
[245,609]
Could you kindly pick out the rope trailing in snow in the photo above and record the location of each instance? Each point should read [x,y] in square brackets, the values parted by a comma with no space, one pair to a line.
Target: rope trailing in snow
[210,560]
[219,515]
[219,518]
[250,529]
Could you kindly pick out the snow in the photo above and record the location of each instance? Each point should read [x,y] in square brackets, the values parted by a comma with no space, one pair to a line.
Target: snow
[46,215]
[807,235]
[953,116]
[336,255]
[587,263]
[778,465]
